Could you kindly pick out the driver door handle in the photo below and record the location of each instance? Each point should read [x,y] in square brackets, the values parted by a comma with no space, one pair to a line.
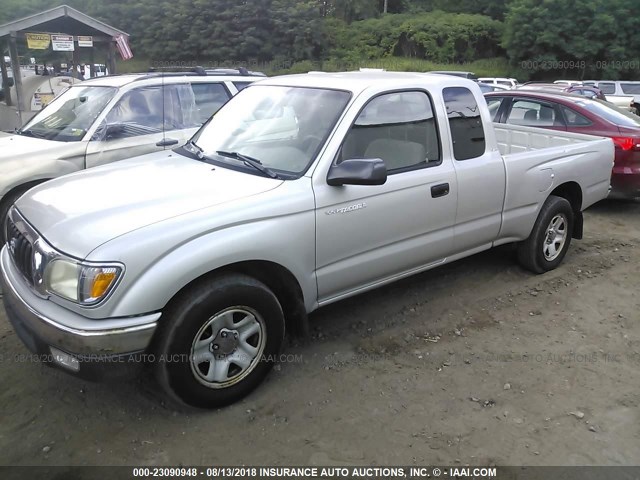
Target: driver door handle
[440,190]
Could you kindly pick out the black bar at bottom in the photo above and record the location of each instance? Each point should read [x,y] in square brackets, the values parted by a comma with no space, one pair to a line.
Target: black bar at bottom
[290,472]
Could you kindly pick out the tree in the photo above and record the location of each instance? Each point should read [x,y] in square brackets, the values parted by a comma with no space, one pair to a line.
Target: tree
[575,38]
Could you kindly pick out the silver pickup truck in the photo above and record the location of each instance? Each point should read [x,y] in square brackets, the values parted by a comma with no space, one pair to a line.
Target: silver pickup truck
[301,191]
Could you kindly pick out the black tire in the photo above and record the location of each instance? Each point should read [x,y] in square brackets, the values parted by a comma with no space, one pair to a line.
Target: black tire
[5,205]
[534,253]
[184,322]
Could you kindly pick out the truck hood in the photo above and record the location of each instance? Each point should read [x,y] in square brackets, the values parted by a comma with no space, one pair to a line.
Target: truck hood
[79,212]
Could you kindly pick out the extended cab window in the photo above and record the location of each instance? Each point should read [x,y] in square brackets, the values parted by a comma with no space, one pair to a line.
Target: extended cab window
[397,127]
[467,132]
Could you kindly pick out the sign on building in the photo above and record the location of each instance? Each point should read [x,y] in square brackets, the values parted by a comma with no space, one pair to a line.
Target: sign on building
[62,43]
[85,41]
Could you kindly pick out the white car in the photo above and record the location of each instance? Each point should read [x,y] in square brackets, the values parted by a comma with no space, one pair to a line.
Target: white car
[500,81]
[570,83]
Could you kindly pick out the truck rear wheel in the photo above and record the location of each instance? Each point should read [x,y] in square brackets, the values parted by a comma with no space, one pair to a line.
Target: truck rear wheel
[550,238]
[218,341]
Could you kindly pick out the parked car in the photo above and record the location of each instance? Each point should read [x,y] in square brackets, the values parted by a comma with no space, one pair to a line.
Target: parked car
[456,73]
[619,88]
[568,82]
[583,91]
[487,87]
[107,119]
[563,112]
[502,81]
[625,102]
[301,191]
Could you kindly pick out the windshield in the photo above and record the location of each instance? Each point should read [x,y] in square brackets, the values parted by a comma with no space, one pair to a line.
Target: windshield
[613,114]
[69,116]
[281,127]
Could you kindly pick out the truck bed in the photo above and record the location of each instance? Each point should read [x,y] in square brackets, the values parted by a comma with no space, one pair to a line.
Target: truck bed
[516,138]
[537,161]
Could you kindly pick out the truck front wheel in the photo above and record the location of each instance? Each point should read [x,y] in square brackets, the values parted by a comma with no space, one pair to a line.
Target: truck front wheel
[218,341]
[550,238]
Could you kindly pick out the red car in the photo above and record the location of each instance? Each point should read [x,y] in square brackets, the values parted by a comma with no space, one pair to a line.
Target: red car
[577,114]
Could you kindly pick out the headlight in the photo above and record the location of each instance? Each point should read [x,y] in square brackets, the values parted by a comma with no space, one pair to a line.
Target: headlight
[84,284]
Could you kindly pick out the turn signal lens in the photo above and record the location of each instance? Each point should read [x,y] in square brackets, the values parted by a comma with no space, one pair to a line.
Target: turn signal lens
[101,284]
[96,283]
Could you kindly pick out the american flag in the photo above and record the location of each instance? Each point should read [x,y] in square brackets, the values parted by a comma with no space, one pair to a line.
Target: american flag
[123,47]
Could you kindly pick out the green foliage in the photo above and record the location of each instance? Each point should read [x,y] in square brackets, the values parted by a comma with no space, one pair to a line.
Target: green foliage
[599,37]
[574,38]
[435,36]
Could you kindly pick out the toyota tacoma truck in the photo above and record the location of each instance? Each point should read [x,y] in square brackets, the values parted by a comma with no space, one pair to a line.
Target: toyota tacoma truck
[301,191]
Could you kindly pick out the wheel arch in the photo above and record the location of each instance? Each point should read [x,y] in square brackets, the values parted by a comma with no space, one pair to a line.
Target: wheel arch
[277,278]
[572,192]
[23,187]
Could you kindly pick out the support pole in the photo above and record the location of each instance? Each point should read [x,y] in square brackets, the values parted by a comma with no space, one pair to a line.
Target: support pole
[111,58]
[5,78]
[92,61]
[17,75]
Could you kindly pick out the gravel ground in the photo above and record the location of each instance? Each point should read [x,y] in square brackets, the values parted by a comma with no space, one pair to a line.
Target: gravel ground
[478,362]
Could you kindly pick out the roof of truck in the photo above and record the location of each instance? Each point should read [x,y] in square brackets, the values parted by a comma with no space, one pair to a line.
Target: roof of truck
[360,81]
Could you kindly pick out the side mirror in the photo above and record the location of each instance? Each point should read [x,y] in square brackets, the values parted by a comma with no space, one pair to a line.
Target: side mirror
[366,171]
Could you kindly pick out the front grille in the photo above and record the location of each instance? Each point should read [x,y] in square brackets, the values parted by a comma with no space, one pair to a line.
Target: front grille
[21,250]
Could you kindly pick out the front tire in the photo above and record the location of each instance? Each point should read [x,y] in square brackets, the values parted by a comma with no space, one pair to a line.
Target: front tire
[550,238]
[218,341]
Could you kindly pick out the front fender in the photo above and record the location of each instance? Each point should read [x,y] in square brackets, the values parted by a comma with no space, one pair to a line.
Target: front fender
[288,241]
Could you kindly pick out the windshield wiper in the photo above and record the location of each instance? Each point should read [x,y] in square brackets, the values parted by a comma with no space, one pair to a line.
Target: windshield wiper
[31,133]
[250,161]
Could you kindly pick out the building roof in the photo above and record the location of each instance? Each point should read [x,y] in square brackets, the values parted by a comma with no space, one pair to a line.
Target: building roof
[62,19]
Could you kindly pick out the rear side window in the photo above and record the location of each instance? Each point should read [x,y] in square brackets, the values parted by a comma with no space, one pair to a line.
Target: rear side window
[241,85]
[574,119]
[533,113]
[494,106]
[632,88]
[209,98]
[467,132]
[607,88]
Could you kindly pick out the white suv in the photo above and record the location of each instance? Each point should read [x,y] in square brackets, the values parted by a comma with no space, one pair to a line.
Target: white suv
[501,81]
[110,118]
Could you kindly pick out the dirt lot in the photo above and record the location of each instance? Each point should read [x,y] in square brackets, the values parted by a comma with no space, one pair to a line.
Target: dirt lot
[478,362]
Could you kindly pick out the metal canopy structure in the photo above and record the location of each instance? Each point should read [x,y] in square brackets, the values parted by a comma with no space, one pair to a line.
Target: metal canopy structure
[59,20]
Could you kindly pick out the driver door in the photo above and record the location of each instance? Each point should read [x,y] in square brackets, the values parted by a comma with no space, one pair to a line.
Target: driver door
[369,234]
[144,120]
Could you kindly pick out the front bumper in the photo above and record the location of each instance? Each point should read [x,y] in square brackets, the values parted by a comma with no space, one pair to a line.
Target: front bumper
[42,324]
